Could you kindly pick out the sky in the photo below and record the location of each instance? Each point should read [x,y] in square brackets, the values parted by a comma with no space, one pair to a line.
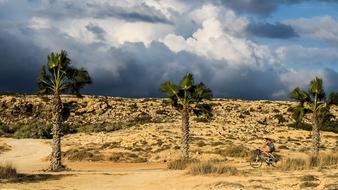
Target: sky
[246,49]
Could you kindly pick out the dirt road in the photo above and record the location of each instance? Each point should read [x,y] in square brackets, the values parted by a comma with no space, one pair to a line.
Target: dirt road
[26,155]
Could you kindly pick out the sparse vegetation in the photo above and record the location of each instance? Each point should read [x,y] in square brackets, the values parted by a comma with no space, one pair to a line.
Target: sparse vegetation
[209,167]
[310,162]
[308,184]
[7,172]
[180,164]
[234,151]
[104,127]
[83,155]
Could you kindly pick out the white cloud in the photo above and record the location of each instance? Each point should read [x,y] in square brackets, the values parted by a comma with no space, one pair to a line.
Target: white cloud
[221,37]
[323,28]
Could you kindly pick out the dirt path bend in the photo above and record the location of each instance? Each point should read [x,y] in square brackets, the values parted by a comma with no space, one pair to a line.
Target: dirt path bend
[26,155]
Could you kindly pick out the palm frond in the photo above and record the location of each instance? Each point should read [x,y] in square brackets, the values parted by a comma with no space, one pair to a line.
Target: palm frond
[44,84]
[203,110]
[79,79]
[187,81]
[201,92]
[316,88]
[169,88]
[333,98]
[300,95]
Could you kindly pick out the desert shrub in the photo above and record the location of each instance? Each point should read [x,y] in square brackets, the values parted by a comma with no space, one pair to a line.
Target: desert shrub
[209,167]
[308,178]
[309,162]
[104,127]
[161,112]
[4,147]
[127,157]
[330,126]
[308,184]
[110,145]
[293,164]
[217,143]
[331,186]
[142,118]
[200,143]
[283,147]
[4,129]
[179,164]
[234,151]
[280,118]
[300,125]
[34,129]
[37,130]
[83,155]
[8,172]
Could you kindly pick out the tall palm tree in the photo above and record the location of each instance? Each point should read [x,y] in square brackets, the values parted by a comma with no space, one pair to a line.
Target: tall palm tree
[313,103]
[60,78]
[186,98]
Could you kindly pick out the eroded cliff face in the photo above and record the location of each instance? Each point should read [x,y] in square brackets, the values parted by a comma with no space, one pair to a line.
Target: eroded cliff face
[101,109]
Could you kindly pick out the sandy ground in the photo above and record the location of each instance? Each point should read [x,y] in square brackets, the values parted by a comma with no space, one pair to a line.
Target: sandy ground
[27,155]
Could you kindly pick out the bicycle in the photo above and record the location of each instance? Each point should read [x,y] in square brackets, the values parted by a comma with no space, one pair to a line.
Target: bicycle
[259,158]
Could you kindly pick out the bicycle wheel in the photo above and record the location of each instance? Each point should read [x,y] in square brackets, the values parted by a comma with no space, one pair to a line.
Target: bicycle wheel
[255,161]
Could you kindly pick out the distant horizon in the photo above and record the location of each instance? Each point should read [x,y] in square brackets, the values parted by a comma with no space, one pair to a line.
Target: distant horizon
[243,49]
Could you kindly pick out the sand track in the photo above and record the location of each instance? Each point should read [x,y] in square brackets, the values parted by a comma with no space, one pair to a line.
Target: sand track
[26,155]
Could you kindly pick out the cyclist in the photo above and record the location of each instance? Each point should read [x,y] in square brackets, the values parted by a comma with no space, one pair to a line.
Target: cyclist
[268,148]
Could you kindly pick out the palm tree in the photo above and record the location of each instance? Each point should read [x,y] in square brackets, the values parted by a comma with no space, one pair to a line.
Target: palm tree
[186,98]
[61,77]
[312,102]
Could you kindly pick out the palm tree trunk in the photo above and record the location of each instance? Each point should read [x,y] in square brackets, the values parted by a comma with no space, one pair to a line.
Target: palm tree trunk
[315,134]
[56,130]
[185,133]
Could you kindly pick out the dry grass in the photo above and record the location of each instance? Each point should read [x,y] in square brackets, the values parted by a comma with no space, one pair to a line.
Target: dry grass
[209,167]
[308,184]
[83,154]
[234,151]
[179,164]
[328,160]
[8,174]
[4,147]
[7,171]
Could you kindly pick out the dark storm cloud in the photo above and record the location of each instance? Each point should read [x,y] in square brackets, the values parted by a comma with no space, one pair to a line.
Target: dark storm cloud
[97,30]
[142,13]
[20,63]
[260,7]
[138,13]
[146,68]
[263,7]
[330,78]
[268,30]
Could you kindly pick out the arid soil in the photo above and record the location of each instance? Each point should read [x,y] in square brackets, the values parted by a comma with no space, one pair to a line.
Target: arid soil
[108,175]
[135,157]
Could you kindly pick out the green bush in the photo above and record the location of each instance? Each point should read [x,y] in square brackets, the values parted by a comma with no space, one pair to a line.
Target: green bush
[35,130]
[104,127]
[330,126]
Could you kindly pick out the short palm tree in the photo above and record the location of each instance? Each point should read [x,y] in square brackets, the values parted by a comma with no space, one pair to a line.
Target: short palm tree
[188,98]
[60,78]
[313,103]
